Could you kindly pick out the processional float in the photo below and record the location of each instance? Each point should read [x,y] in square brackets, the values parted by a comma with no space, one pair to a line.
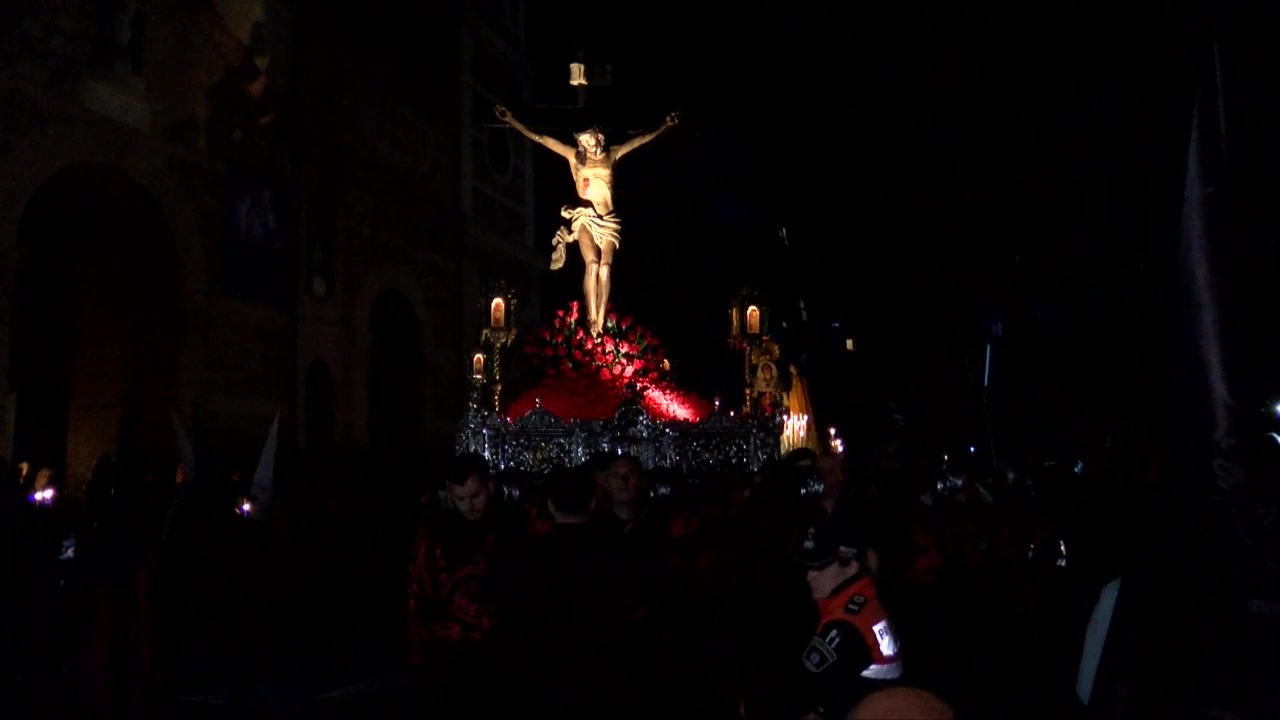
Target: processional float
[595,382]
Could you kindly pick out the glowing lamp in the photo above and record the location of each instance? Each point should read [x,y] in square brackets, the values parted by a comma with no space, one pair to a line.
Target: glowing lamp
[477,366]
[577,74]
[748,319]
[497,313]
[497,306]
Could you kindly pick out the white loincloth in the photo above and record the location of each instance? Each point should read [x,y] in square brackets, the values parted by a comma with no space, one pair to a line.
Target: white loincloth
[606,229]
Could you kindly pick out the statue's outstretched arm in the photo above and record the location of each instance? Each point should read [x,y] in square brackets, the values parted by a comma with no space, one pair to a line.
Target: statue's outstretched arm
[639,140]
[551,144]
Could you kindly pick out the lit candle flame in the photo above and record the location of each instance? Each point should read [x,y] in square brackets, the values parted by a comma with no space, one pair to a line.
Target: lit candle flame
[794,431]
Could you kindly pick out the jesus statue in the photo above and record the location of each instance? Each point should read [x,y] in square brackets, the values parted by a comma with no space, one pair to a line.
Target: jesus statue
[593,224]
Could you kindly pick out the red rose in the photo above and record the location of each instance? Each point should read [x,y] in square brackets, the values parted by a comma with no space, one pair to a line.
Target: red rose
[604,374]
[617,369]
[577,355]
[559,313]
[612,317]
[548,352]
[589,343]
[545,334]
[626,322]
[628,372]
[577,335]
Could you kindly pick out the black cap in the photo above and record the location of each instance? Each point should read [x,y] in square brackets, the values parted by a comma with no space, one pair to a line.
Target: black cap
[825,542]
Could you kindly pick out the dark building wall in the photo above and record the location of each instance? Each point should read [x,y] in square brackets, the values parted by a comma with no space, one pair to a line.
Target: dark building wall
[357,123]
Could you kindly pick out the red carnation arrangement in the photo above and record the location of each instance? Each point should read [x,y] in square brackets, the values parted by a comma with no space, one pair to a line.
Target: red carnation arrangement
[586,378]
[624,350]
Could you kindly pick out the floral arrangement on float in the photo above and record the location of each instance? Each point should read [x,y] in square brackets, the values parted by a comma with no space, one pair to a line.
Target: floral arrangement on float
[580,377]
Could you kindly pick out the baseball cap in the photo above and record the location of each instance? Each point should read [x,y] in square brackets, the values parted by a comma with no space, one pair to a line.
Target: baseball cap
[825,542]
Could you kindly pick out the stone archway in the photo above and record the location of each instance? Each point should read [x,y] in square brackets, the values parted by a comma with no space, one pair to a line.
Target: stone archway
[397,365]
[95,354]
[318,408]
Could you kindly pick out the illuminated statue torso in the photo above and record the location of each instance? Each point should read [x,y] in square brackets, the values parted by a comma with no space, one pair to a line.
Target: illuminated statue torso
[594,181]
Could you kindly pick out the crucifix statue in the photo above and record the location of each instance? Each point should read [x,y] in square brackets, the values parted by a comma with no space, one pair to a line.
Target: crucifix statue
[593,224]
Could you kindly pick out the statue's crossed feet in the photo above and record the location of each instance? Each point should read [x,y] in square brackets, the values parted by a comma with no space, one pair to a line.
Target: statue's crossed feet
[597,325]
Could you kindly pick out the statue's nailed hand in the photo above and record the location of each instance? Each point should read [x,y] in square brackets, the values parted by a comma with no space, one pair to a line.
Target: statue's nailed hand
[503,114]
[672,120]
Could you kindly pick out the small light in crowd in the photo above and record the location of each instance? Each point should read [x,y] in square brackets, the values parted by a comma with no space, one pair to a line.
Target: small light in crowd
[245,508]
[972,450]
[848,344]
[43,497]
[1277,409]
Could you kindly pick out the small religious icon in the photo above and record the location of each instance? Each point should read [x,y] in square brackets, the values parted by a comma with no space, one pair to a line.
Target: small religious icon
[767,386]
[753,320]
[477,366]
[497,313]
[594,224]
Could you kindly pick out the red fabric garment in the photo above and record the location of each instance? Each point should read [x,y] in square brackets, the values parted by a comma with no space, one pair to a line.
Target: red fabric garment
[446,594]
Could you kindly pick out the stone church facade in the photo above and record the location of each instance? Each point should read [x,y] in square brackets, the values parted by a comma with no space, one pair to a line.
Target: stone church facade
[226,209]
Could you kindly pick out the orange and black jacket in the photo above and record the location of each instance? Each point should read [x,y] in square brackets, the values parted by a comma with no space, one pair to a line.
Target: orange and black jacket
[854,650]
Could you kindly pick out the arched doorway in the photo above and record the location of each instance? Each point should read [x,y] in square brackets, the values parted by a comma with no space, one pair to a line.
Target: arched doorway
[318,412]
[396,382]
[94,359]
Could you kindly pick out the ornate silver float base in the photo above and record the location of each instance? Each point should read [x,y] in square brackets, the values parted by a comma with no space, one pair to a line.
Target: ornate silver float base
[539,441]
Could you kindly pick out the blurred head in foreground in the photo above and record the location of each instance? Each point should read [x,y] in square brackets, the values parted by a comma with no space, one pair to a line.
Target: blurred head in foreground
[901,703]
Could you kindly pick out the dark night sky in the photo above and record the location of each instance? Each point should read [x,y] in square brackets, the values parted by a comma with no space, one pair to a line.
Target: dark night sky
[928,161]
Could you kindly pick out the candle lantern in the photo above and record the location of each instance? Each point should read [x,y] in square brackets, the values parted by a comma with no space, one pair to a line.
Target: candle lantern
[577,74]
[748,319]
[753,320]
[498,306]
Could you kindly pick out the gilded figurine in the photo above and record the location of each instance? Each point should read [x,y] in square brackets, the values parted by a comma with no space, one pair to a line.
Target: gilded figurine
[594,224]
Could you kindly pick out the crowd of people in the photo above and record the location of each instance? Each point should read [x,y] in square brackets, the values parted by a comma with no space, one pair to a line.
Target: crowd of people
[802,590]
[795,592]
